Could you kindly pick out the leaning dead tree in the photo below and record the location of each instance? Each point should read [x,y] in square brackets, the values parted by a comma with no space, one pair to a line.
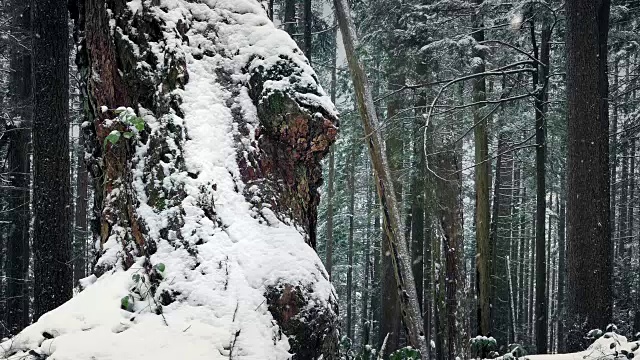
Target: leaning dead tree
[400,256]
[205,130]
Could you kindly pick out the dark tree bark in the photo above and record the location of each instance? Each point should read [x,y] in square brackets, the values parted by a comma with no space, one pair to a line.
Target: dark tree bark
[450,214]
[290,21]
[53,273]
[589,246]
[540,81]
[417,204]
[19,173]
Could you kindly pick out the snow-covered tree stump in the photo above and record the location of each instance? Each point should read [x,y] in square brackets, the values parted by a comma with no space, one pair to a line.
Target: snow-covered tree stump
[205,131]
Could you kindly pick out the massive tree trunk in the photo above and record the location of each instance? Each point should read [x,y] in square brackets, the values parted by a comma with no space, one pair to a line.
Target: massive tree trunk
[19,174]
[588,243]
[52,265]
[206,189]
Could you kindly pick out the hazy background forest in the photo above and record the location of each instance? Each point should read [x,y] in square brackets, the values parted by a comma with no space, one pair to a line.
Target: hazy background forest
[473,105]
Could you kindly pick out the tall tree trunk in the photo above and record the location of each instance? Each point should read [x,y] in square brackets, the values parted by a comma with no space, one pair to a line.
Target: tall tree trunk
[500,237]
[449,190]
[332,170]
[613,158]
[308,23]
[540,81]
[81,229]
[482,184]
[396,242]
[391,319]
[53,271]
[19,174]
[561,266]
[589,247]
[352,203]
[366,292]
[418,202]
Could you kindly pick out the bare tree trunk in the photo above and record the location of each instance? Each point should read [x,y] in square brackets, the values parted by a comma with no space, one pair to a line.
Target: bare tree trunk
[589,246]
[393,226]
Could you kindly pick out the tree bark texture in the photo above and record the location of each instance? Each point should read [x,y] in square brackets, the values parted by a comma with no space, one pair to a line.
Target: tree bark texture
[589,246]
[53,270]
[19,173]
[540,80]
[482,184]
[157,199]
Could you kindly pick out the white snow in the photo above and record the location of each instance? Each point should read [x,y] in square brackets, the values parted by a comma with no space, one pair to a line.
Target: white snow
[610,346]
[220,310]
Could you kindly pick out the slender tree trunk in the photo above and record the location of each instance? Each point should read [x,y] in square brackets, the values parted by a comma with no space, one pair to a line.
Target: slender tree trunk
[19,174]
[561,267]
[352,202]
[332,170]
[500,237]
[81,229]
[51,184]
[308,23]
[399,252]
[418,202]
[589,246]
[365,321]
[613,160]
[482,185]
[540,80]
